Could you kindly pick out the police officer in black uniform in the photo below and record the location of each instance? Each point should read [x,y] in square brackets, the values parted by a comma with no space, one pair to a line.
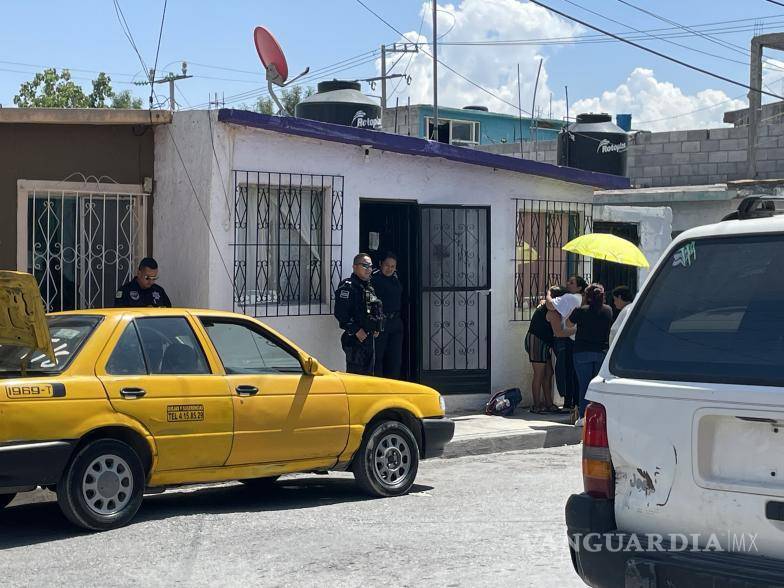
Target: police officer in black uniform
[389,344]
[142,290]
[360,315]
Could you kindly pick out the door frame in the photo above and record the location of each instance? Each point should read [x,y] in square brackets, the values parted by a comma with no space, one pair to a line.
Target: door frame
[462,381]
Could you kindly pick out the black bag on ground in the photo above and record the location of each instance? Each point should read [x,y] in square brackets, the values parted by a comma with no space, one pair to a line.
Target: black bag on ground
[503,403]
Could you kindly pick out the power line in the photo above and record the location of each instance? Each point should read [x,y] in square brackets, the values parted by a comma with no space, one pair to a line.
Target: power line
[654,52]
[774,2]
[157,52]
[731,46]
[410,59]
[454,71]
[128,35]
[654,36]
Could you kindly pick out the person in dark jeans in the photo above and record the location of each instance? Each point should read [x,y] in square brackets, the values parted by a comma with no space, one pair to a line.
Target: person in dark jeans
[563,340]
[389,344]
[593,321]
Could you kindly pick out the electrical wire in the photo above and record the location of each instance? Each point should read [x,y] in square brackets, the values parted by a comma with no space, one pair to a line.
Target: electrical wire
[654,52]
[655,37]
[731,46]
[128,35]
[439,61]
[411,58]
[157,52]
[776,3]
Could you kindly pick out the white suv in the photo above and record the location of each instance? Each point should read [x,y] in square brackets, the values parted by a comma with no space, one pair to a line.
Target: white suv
[683,445]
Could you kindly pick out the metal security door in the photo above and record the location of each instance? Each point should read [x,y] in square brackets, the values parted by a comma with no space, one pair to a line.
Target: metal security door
[455,293]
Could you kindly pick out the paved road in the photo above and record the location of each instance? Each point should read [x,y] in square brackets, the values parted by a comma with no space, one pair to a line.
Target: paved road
[476,521]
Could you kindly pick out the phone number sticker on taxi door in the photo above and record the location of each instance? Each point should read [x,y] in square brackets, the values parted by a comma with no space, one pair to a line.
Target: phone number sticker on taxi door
[176,413]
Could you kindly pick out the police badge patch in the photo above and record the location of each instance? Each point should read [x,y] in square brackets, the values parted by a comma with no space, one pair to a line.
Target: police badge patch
[134,295]
[345,294]
[118,294]
[156,296]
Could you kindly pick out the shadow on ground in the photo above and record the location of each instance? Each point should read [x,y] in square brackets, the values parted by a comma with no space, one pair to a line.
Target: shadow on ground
[36,518]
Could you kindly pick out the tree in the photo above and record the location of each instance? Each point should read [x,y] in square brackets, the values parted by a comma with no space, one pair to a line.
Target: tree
[290,97]
[50,89]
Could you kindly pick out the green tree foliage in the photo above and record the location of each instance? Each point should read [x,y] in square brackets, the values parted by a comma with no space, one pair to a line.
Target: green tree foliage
[290,97]
[53,89]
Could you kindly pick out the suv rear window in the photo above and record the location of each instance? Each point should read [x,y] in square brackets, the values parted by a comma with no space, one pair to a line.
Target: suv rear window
[714,312]
[68,334]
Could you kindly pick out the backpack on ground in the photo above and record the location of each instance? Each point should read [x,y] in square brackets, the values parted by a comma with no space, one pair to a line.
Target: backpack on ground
[503,403]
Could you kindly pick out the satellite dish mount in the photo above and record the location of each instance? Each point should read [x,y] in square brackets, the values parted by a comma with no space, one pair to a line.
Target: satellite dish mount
[274,62]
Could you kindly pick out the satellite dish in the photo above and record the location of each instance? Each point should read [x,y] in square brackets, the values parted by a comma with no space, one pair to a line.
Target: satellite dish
[274,62]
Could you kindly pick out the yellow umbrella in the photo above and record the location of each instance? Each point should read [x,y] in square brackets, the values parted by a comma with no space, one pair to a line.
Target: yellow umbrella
[608,247]
[525,253]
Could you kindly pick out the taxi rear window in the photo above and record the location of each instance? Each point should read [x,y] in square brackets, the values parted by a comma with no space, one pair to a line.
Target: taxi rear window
[68,334]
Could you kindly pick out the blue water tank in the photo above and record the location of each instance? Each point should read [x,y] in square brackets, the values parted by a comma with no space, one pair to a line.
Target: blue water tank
[624,121]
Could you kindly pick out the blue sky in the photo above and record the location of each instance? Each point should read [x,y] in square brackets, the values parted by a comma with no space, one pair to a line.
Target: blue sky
[216,37]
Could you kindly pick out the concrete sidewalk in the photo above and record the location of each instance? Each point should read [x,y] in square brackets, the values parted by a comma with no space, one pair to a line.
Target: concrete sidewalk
[478,434]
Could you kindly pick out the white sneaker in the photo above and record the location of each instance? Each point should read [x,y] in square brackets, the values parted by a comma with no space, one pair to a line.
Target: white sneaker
[579,422]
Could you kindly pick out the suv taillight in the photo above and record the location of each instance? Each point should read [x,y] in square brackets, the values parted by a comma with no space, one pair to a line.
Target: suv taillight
[598,478]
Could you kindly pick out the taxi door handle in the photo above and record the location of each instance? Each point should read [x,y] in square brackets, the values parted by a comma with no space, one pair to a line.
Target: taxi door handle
[244,390]
[132,393]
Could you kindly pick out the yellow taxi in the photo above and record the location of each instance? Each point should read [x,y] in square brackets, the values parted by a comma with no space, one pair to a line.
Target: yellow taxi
[105,405]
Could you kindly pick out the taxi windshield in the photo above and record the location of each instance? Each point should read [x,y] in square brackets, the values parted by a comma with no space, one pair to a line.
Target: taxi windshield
[68,334]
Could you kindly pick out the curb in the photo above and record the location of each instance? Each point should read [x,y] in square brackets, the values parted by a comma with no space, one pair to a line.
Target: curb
[536,437]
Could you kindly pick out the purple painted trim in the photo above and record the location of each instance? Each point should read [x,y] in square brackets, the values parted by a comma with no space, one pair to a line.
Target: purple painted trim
[416,146]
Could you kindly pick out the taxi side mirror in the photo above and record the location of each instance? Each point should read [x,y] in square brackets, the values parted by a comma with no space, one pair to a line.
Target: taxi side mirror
[312,366]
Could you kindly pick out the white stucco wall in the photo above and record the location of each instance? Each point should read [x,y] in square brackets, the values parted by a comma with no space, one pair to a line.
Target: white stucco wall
[184,248]
[655,229]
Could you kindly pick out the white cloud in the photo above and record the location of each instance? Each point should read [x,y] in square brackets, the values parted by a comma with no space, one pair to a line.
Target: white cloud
[653,104]
[495,68]
[492,67]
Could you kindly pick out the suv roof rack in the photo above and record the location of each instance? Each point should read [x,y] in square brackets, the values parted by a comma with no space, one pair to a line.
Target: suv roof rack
[759,206]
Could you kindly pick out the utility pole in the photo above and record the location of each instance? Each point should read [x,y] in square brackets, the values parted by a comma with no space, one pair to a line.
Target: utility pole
[435,70]
[383,79]
[167,79]
[386,49]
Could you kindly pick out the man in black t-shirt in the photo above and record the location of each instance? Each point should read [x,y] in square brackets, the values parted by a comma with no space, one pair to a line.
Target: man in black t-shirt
[389,345]
[142,291]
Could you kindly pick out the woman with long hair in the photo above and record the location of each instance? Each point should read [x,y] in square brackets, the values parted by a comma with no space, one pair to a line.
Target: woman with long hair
[593,321]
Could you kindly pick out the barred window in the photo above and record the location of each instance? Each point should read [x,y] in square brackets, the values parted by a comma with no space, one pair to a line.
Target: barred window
[542,228]
[288,233]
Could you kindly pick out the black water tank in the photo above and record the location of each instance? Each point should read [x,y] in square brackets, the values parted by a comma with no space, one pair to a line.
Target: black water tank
[593,143]
[477,107]
[341,103]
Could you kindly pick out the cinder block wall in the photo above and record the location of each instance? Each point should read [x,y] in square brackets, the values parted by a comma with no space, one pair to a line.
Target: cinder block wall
[684,158]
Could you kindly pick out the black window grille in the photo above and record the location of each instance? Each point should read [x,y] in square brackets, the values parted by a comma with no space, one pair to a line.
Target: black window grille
[288,242]
[542,227]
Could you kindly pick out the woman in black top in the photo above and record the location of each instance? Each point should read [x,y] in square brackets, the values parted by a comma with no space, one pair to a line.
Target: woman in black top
[593,322]
[538,345]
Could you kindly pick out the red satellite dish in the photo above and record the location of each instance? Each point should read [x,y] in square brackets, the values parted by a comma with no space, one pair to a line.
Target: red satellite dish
[274,62]
[271,56]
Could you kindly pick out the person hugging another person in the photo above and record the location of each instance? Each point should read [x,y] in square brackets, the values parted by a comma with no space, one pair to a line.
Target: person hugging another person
[592,321]
[538,345]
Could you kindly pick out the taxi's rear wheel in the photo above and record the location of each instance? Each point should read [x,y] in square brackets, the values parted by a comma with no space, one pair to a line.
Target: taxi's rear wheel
[103,486]
[387,460]
[5,499]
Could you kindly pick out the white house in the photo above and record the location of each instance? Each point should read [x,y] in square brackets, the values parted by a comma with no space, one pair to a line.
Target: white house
[264,214]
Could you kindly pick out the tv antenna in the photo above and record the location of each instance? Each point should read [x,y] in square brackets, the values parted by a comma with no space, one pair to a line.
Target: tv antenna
[274,62]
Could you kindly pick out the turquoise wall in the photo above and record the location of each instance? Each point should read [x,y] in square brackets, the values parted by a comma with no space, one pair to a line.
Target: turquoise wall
[494,127]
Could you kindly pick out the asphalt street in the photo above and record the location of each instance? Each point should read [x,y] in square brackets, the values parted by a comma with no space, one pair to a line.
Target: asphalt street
[487,520]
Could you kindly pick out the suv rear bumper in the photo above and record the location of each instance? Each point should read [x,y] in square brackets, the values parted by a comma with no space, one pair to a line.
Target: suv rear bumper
[606,557]
[436,433]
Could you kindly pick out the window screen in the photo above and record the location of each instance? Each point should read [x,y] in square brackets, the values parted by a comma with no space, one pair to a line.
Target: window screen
[713,313]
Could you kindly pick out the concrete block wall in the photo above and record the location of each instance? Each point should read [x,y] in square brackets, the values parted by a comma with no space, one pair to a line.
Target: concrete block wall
[684,158]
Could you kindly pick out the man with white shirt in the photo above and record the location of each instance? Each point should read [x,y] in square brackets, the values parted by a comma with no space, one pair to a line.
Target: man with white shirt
[622,300]
[563,342]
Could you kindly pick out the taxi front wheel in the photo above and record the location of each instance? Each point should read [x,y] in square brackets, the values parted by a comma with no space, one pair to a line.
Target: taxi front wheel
[102,488]
[387,461]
